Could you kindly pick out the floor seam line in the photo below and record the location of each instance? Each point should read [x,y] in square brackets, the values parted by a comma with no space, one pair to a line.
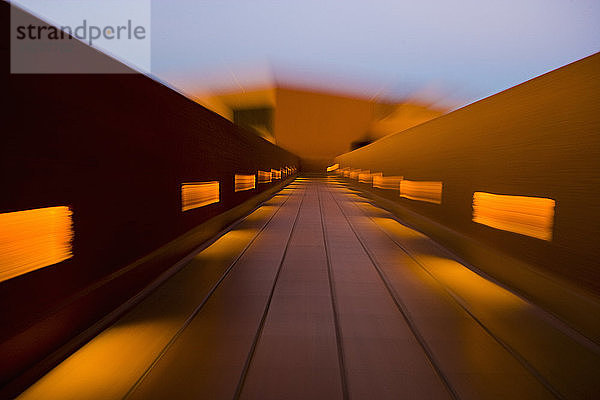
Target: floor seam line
[250,357]
[403,310]
[531,369]
[196,310]
[332,292]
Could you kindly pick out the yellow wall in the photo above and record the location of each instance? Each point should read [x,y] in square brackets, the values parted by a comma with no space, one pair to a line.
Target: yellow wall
[320,126]
[538,139]
[317,126]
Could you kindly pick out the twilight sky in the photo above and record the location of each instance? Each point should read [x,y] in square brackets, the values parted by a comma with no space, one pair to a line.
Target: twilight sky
[459,50]
[463,49]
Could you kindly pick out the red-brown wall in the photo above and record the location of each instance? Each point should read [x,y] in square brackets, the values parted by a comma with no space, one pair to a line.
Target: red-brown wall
[115,149]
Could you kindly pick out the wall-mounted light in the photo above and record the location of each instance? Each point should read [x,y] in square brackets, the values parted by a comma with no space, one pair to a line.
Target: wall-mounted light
[387,182]
[244,182]
[428,191]
[199,194]
[34,239]
[530,216]
[264,176]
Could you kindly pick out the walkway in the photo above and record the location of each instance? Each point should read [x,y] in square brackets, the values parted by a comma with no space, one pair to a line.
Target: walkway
[319,294]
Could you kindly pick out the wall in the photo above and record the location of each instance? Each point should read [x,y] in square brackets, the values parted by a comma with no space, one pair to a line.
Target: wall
[318,126]
[540,138]
[115,149]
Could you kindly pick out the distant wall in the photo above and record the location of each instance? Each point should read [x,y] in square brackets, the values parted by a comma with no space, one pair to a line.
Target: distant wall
[540,138]
[115,149]
[318,126]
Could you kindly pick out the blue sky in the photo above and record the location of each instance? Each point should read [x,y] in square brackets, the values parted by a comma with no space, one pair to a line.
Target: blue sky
[454,50]
[463,48]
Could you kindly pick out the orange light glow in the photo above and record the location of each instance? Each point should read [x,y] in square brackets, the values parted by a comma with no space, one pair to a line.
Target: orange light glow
[530,216]
[428,191]
[33,239]
[244,182]
[367,176]
[199,194]
[354,173]
[264,176]
[276,174]
[333,167]
[387,182]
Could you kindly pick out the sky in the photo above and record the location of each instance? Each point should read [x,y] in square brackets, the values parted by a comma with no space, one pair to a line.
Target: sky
[461,49]
[453,52]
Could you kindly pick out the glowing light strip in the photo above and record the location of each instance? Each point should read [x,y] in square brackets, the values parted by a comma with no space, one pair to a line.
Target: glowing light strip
[244,182]
[530,216]
[354,173]
[333,167]
[276,174]
[34,239]
[427,191]
[387,182]
[367,176]
[264,176]
[199,194]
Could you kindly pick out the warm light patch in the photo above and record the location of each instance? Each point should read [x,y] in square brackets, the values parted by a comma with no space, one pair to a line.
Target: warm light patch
[264,176]
[428,191]
[34,239]
[276,174]
[199,194]
[354,173]
[244,182]
[333,167]
[387,182]
[531,216]
[367,176]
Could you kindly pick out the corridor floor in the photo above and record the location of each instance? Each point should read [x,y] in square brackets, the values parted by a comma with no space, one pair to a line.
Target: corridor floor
[319,294]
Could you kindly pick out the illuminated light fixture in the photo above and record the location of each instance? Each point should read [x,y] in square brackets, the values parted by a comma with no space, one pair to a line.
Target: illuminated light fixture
[244,182]
[387,182]
[276,174]
[333,167]
[364,176]
[428,191]
[367,176]
[34,239]
[354,173]
[530,216]
[199,194]
[264,176]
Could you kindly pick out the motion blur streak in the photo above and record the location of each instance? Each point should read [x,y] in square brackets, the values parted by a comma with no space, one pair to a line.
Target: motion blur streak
[430,192]
[333,167]
[244,182]
[387,182]
[354,173]
[33,239]
[137,339]
[531,216]
[367,176]
[276,174]
[264,176]
[199,194]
